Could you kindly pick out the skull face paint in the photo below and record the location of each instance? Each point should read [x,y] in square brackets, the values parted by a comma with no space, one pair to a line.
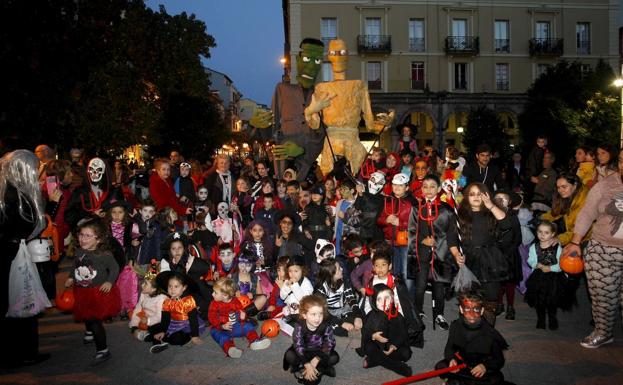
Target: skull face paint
[223,210]
[202,194]
[96,169]
[376,182]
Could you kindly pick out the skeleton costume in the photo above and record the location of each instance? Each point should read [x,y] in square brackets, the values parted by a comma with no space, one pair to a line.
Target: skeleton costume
[370,204]
[92,196]
[224,226]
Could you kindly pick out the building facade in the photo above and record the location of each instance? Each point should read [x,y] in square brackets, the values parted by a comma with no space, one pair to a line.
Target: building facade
[433,61]
[223,87]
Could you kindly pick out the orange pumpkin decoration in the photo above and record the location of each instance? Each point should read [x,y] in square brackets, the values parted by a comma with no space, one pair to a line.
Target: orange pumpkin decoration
[142,323]
[65,300]
[244,301]
[270,328]
[571,263]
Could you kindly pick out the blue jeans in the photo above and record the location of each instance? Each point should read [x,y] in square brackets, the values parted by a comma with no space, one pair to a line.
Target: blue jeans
[399,268]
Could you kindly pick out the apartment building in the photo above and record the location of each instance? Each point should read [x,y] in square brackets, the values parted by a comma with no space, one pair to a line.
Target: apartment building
[433,61]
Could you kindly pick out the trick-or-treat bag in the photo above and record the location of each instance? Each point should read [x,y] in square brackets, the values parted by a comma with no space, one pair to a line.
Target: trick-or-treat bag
[26,295]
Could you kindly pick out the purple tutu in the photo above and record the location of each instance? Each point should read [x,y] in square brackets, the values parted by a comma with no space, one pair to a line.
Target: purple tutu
[184,326]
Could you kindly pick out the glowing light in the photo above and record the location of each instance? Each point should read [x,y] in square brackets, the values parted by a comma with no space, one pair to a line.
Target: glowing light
[460,129]
[282,60]
[618,83]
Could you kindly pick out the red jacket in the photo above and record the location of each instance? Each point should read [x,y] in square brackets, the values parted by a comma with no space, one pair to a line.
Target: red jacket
[396,206]
[163,194]
[218,312]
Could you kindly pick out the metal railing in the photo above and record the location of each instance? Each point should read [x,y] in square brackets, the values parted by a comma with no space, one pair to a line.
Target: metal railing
[502,45]
[374,43]
[462,45]
[546,47]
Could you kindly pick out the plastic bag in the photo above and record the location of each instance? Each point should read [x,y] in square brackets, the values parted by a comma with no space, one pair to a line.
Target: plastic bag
[464,280]
[26,295]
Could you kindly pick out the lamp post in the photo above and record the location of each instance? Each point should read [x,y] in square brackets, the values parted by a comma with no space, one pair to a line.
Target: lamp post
[619,83]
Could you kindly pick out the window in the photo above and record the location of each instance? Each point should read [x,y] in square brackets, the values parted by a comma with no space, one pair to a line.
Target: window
[374,75]
[501,77]
[501,40]
[417,75]
[416,35]
[583,38]
[328,30]
[373,30]
[541,69]
[459,34]
[460,76]
[542,30]
[327,72]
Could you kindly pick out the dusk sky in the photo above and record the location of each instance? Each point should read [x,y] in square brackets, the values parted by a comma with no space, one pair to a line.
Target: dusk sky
[249,38]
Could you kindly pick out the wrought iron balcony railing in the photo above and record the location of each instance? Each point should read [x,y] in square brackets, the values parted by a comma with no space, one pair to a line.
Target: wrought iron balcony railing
[469,45]
[374,44]
[546,47]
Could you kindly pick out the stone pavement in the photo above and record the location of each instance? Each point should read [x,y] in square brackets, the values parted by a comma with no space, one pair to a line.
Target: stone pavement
[535,357]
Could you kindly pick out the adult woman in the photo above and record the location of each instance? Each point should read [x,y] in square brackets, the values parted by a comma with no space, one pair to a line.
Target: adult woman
[21,217]
[568,200]
[289,241]
[59,199]
[603,254]
[480,221]
[161,188]
[606,162]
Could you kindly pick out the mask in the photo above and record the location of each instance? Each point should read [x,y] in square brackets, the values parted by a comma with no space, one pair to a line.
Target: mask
[376,182]
[96,169]
[308,63]
[202,194]
[223,210]
[338,55]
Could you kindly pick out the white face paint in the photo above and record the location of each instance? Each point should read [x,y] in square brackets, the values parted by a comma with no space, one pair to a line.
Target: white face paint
[223,210]
[202,194]
[96,169]
[376,182]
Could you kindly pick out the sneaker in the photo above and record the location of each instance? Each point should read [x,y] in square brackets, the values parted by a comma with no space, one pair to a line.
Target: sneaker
[594,340]
[234,352]
[101,356]
[260,344]
[142,335]
[161,347]
[441,322]
[88,338]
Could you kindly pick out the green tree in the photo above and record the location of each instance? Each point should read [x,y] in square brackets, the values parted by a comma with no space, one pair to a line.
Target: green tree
[484,126]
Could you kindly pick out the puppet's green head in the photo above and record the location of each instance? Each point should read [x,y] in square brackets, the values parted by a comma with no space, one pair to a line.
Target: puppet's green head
[309,61]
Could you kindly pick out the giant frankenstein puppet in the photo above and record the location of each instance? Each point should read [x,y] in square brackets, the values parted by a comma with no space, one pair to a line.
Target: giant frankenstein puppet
[343,103]
[294,139]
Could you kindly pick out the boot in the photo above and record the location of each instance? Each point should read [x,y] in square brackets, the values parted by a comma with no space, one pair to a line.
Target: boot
[251,310]
[489,313]
[510,313]
[540,317]
[553,320]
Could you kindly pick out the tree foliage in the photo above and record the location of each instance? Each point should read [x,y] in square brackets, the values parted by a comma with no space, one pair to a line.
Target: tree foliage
[566,103]
[104,75]
[484,126]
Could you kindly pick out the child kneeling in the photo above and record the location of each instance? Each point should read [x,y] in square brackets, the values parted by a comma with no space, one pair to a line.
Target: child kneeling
[227,320]
[312,352]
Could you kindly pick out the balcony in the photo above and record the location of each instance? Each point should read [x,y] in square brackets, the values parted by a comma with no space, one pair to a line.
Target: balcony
[502,46]
[462,45]
[417,44]
[546,47]
[374,44]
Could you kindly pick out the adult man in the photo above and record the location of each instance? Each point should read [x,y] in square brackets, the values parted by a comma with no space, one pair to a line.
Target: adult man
[545,184]
[482,171]
[293,137]
[175,161]
[220,183]
[45,154]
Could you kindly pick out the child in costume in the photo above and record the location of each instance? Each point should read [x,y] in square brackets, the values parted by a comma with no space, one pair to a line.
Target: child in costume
[247,284]
[312,353]
[344,313]
[296,286]
[475,342]
[267,214]
[256,240]
[229,320]
[364,269]
[203,204]
[324,250]
[150,233]
[180,322]
[202,236]
[225,266]
[242,202]
[355,252]
[147,314]
[226,228]
[317,221]
[384,338]
[184,185]
[370,204]
[545,285]
[347,193]
[93,278]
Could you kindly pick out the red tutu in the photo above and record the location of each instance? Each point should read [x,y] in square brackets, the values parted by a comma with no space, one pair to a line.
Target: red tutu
[91,303]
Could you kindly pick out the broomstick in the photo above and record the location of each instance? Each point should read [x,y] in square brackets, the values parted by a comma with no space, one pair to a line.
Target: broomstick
[464,278]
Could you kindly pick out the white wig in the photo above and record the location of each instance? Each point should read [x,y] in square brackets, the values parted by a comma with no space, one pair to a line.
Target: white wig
[20,169]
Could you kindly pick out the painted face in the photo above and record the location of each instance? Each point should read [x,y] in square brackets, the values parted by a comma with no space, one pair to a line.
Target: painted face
[430,189]
[295,273]
[87,239]
[220,296]
[223,210]
[544,233]
[565,189]
[164,170]
[147,287]
[147,212]
[96,169]
[176,288]
[421,169]
[376,182]
[384,300]
[117,214]
[313,317]
[381,268]
[226,256]
[202,193]
[257,232]
[471,311]
[176,250]
[474,198]
[308,63]
[483,158]
[245,267]
[338,55]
